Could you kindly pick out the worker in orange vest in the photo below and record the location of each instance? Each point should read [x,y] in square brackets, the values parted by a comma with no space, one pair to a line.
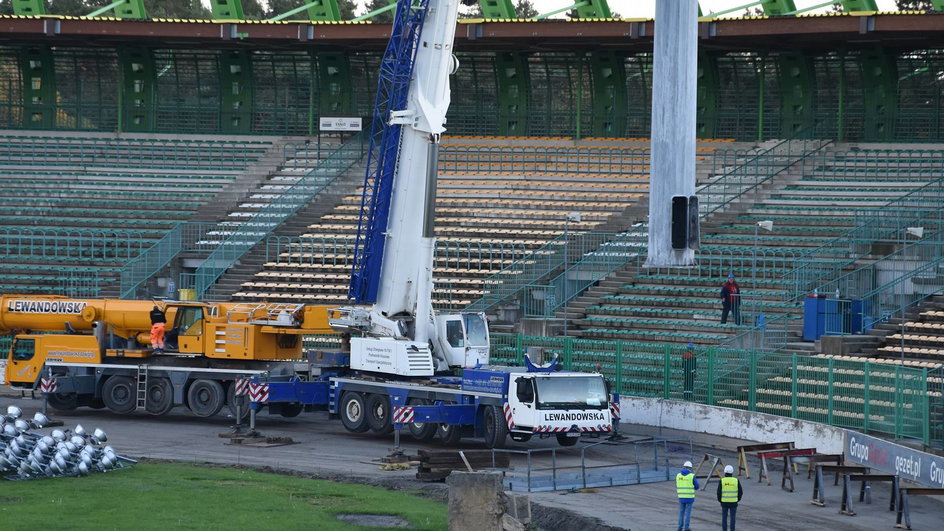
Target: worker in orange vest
[158,321]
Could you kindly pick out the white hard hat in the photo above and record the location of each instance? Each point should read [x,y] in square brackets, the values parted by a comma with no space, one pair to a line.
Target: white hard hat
[729,469]
[687,464]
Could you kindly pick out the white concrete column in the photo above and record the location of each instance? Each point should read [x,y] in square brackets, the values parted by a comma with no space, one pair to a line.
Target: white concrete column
[672,166]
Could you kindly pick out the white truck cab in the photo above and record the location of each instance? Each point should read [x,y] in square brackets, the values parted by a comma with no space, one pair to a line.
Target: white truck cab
[565,404]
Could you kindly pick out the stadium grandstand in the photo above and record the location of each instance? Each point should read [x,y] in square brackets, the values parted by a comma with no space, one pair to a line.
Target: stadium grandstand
[175,157]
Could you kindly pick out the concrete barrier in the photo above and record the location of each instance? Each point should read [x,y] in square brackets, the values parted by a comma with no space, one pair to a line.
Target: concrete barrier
[735,423]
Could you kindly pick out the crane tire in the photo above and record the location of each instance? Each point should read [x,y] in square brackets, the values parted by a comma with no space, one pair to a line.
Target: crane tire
[119,394]
[353,412]
[421,431]
[448,434]
[379,413]
[205,398]
[564,440]
[159,395]
[62,401]
[496,427]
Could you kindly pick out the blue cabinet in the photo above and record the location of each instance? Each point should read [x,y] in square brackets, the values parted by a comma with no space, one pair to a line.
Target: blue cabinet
[824,316]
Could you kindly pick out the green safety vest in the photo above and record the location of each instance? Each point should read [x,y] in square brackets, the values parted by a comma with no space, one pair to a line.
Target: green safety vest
[685,485]
[729,490]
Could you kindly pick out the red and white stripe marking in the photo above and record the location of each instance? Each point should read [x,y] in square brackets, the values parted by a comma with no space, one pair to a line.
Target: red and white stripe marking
[48,385]
[402,414]
[615,409]
[508,415]
[258,392]
[242,386]
[599,428]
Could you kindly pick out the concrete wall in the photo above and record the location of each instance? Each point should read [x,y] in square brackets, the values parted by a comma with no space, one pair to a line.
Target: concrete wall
[734,423]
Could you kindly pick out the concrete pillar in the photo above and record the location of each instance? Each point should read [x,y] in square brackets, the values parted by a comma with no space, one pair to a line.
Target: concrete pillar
[672,166]
[475,501]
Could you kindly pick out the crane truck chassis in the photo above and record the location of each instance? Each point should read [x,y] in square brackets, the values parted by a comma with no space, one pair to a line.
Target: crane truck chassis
[489,402]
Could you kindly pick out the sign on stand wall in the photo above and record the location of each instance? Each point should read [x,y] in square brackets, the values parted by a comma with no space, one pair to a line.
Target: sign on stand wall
[879,454]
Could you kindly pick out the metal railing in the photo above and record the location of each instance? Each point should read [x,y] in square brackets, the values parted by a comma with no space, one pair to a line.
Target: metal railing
[526,275]
[263,222]
[337,250]
[582,160]
[91,245]
[551,469]
[870,396]
[921,207]
[185,236]
[751,174]
[129,152]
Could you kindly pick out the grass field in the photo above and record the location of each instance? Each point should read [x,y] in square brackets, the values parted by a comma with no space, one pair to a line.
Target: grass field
[186,496]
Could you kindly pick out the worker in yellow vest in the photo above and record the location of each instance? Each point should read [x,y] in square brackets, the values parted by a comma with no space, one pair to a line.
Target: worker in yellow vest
[686,484]
[729,494]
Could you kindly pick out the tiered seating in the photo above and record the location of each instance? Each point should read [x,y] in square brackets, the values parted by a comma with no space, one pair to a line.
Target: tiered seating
[300,159]
[807,211]
[495,204]
[74,205]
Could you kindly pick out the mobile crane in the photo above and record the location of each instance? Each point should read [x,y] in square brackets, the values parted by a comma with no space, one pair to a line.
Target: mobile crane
[98,352]
[399,348]
[399,367]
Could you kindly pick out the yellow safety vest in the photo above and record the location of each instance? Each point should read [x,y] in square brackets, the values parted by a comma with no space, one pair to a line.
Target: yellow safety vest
[729,490]
[685,485]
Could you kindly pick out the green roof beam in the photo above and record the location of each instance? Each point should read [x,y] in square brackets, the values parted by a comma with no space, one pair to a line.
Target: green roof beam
[561,10]
[227,9]
[733,9]
[499,9]
[28,7]
[594,9]
[776,8]
[853,6]
[318,11]
[124,9]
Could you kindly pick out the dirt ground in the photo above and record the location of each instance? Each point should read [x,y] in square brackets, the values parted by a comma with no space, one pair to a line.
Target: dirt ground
[323,449]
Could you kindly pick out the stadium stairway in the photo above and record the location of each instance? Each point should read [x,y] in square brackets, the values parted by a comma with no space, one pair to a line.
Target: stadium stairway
[682,305]
[254,261]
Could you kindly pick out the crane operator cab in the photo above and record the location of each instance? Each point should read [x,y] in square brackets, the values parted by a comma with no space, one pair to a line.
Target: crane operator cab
[463,339]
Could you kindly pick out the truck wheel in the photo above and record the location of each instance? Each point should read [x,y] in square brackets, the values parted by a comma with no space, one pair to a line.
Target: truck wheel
[421,431]
[564,440]
[118,393]
[496,427]
[353,412]
[448,435]
[378,413]
[232,400]
[63,401]
[160,396]
[205,397]
[290,410]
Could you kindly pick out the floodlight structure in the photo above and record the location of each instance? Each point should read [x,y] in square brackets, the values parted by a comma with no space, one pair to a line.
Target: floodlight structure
[25,454]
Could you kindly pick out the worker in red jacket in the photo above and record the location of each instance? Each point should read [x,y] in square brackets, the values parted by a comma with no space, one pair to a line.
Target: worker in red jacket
[731,300]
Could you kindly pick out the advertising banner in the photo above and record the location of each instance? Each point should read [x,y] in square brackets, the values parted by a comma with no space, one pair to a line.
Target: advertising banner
[878,454]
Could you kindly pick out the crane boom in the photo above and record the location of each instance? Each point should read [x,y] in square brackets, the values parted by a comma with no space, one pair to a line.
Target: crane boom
[393,256]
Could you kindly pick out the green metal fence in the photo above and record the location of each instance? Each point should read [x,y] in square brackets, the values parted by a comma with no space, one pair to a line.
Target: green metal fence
[867,396]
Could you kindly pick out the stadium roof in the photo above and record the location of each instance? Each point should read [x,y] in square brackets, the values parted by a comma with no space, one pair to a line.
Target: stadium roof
[830,31]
